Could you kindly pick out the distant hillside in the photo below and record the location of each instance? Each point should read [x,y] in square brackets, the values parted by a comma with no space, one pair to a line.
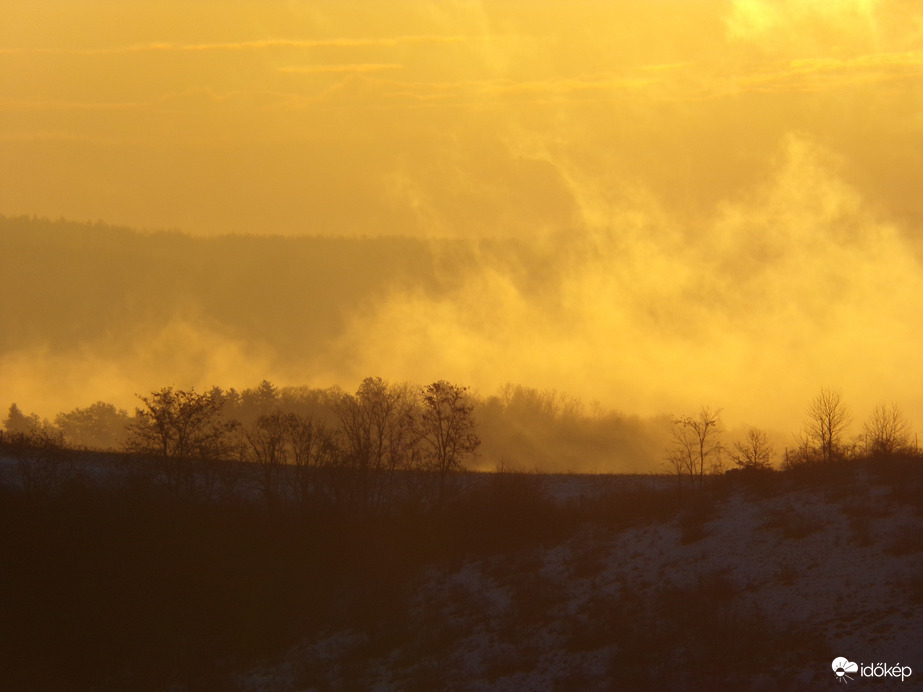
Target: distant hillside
[67,283]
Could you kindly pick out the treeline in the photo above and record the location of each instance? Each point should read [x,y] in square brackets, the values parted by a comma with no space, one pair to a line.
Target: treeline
[292,433]
[519,428]
[317,446]
[698,449]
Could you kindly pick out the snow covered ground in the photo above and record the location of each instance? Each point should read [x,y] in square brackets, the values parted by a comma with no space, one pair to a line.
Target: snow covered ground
[747,584]
[754,589]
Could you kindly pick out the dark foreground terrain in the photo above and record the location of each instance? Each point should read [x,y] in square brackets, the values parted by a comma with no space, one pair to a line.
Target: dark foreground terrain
[511,582]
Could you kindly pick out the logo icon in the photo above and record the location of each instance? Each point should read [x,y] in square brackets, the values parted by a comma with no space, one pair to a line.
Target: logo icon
[842,666]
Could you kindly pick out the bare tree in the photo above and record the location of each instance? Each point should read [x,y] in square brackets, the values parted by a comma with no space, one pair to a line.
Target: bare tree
[179,428]
[447,429]
[313,454]
[886,431]
[755,452]
[379,432]
[681,455]
[696,445]
[827,420]
[266,446]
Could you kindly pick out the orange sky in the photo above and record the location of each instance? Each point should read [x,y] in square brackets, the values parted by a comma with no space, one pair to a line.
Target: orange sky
[444,117]
[746,173]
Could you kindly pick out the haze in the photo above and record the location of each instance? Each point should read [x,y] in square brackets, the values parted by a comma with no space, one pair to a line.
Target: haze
[657,205]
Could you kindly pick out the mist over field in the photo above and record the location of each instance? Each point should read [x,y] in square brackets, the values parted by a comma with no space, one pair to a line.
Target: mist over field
[644,316]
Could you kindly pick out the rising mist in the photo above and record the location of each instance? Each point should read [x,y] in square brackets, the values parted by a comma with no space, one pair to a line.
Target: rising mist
[795,286]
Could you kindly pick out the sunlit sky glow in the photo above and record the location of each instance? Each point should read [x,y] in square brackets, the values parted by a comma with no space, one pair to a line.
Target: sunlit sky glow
[741,177]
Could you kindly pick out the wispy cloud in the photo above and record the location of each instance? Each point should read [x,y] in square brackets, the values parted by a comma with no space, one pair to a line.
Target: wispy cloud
[347,68]
[554,86]
[194,98]
[815,74]
[566,85]
[53,136]
[913,59]
[71,105]
[261,44]
[664,67]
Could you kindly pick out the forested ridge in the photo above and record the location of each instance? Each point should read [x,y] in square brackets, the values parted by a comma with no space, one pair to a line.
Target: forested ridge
[74,281]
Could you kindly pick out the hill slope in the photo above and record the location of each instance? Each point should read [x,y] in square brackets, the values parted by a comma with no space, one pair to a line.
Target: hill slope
[745,589]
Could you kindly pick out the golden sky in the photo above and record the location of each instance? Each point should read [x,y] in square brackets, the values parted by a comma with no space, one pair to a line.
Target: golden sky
[743,177]
[407,116]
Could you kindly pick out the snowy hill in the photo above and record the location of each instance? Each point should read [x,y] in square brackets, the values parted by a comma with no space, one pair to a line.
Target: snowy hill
[745,588]
[517,582]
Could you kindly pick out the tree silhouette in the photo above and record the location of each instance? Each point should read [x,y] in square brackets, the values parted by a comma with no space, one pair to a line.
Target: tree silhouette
[313,451]
[447,427]
[886,430]
[827,420]
[267,447]
[259,401]
[179,427]
[19,424]
[99,425]
[377,426]
[696,444]
[755,452]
